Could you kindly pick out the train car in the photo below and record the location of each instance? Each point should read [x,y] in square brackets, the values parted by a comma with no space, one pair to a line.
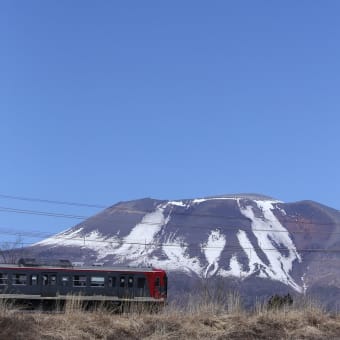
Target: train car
[44,284]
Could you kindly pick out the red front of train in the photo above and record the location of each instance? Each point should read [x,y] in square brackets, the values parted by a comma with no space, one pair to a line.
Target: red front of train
[158,283]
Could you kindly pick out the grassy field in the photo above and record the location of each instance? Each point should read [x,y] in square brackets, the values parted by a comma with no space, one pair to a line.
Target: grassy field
[201,319]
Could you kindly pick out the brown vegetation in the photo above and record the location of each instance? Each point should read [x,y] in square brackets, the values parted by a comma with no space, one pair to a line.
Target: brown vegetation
[197,320]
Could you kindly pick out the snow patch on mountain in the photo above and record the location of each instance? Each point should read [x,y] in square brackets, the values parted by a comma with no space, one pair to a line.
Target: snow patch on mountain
[177,258]
[142,240]
[177,203]
[282,211]
[94,241]
[212,250]
[272,237]
[235,269]
[256,266]
[201,200]
[67,238]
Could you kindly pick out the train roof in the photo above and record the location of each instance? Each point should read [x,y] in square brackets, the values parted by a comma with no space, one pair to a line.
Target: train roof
[82,268]
[66,265]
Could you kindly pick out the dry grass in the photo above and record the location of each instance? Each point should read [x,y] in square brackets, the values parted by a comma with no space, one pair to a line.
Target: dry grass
[201,318]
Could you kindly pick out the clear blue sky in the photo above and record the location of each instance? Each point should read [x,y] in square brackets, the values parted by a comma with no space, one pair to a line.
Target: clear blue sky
[103,101]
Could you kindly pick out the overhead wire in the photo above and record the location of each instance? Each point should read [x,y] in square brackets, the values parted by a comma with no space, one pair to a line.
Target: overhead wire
[124,209]
[83,241]
[40,200]
[101,206]
[180,226]
[41,213]
[225,218]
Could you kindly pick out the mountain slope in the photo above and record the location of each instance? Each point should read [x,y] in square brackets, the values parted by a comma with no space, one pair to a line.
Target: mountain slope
[236,236]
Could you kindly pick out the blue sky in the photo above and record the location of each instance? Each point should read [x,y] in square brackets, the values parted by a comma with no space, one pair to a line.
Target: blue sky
[115,100]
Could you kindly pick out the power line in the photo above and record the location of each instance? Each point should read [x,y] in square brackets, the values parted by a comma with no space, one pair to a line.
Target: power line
[160,244]
[62,215]
[41,213]
[100,206]
[228,218]
[36,234]
[177,225]
[32,233]
[30,199]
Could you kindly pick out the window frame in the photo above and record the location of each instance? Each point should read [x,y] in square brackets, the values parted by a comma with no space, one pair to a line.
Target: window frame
[74,281]
[122,282]
[112,281]
[4,279]
[16,280]
[52,280]
[65,280]
[139,281]
[130,282]
[97,284]
[34,282]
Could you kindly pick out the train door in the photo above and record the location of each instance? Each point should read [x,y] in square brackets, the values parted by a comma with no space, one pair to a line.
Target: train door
[126,286]
[112,285]
[161,286]
[122,286]
[131,286]
[48,284]
[140,287]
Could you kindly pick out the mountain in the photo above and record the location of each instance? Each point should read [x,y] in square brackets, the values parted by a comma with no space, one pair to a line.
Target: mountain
[254,242]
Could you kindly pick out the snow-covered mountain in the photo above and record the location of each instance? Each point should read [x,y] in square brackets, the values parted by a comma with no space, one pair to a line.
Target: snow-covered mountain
[232,236]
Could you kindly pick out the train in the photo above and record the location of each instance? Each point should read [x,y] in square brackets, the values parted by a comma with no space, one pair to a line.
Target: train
[34,284]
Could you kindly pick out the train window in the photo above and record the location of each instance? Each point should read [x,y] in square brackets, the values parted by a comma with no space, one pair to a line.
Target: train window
[97,281]
[64,280]
[141,283]
[45,280]
[19,279]
[130,282]
[53,280]
[79,281]
[157,282]
[34,279]
[3,279]
[122,282]
[112,281]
